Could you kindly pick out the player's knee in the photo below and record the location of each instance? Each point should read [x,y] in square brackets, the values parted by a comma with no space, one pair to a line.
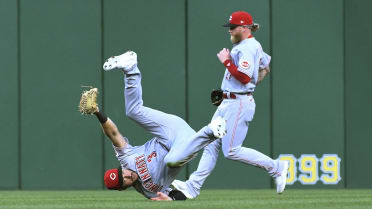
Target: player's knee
[132,113]
[232,154]
[129,113]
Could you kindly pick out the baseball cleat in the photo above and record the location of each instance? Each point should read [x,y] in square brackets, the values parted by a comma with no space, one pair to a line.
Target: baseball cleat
[125,61]
[218,127]
[182,187]
[281,180]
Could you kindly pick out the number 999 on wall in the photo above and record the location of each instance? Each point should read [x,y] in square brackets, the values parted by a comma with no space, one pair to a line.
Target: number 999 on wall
[306,169]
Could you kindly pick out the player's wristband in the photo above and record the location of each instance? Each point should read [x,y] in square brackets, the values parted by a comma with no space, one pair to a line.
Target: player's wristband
[229,64]
[177,195]
[101,117]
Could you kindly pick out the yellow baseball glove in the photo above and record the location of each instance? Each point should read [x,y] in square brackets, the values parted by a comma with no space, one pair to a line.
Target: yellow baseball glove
[88,102]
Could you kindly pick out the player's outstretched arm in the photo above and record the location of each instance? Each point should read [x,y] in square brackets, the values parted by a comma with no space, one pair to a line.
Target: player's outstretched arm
[110,129]
[262,72]
[88,106]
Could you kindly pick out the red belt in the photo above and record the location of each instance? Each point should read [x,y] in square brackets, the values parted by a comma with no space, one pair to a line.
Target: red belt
[233,95]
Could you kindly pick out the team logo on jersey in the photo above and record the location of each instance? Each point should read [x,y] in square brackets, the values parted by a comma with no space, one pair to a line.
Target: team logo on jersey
[145,176]
[113,176]
[244,64]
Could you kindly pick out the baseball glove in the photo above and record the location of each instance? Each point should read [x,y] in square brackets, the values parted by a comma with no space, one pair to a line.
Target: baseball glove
[216,97]
[88,102]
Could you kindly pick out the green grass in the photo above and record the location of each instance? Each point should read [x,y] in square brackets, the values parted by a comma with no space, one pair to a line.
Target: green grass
[236,199]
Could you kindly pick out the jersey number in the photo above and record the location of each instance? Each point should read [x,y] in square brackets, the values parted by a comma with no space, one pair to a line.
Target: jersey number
[153,154]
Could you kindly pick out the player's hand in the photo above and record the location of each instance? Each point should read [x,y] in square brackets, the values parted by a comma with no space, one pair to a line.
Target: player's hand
[161,197]
[223,55]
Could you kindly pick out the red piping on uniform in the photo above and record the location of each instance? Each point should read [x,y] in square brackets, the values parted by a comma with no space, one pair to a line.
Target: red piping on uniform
[235,125]
[231,67]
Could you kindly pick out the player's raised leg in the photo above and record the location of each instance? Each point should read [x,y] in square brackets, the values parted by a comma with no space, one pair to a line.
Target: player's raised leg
[166,126]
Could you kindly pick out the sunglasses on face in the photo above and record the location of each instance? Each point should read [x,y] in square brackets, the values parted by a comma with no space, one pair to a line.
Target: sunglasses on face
[233,27]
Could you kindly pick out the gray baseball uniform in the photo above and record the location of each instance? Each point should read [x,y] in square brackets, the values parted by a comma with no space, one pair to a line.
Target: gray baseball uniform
[175,142]
[248,56]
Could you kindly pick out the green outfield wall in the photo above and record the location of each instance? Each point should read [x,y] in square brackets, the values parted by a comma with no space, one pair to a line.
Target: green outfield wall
[314,109]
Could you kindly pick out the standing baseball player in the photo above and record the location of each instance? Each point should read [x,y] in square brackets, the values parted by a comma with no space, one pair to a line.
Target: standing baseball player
[152,167]
[246,66]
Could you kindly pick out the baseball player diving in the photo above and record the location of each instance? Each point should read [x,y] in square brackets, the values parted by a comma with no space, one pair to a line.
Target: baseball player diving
[246,65]
[152,167]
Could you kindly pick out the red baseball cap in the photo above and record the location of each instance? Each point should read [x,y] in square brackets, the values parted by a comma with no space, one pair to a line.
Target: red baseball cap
[113,179]
[240,18]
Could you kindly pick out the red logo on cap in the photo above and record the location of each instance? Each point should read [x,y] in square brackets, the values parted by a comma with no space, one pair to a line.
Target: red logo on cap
[112,176]
[111,180]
